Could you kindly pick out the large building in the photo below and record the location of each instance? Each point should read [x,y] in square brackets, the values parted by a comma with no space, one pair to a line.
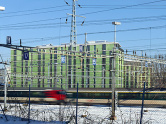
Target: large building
[90,65]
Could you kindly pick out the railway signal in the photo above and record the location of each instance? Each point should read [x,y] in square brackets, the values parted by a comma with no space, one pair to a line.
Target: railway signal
[63,59]
[26,55]
[94,61]
[146,64]
[8,40]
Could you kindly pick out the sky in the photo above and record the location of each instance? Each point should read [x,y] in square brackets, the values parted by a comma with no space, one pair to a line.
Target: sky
[41,22]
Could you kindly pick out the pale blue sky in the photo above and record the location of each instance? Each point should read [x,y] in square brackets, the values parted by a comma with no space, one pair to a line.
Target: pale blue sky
[39,22]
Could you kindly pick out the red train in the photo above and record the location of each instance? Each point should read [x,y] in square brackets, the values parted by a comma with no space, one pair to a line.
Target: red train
[37,95]
[55,94]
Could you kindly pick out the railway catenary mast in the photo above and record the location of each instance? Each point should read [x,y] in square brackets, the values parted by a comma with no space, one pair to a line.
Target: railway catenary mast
[73,37]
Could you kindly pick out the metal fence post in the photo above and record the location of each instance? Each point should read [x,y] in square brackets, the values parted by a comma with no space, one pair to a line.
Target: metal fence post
[77,103]
[142,104]
[29,104]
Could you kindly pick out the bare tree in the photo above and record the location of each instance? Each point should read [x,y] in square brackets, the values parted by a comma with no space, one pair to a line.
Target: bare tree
[159,73]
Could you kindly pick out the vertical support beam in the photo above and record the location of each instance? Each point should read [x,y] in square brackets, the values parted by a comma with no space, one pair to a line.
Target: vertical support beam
[87,77]
[56,76]
[77,104]
[142,104]
[48,80]
[103,78]
[85,49]
[66,74]
[6,75]
[31,70]
[5,90]
[71,76]
[113,117]
[73,35]
[85,41]
[29,104]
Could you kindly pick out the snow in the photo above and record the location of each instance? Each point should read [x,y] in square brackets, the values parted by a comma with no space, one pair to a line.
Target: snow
[61,114]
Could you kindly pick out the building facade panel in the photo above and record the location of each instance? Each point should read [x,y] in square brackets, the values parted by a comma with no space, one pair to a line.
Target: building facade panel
[44,67]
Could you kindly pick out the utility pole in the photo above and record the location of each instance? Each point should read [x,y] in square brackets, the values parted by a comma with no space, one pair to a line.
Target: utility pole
[103,78]
[66,73]
[31,71]
[73,33]
[48,80]
[113,117]
[87,77]
[55,85]
[6,77]
[71,78]
[85,49]
[5,90]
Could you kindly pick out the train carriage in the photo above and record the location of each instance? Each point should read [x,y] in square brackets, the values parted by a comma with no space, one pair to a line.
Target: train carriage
[37,95]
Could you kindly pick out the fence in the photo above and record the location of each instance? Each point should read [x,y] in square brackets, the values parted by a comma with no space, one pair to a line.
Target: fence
[93,111]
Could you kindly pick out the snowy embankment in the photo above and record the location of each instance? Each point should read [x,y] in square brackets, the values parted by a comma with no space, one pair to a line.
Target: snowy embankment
[55,114]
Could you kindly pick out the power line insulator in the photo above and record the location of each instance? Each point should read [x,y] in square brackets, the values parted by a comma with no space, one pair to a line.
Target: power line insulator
[20,42]
[82,23]
[67,3]
[79,5]
[66,21]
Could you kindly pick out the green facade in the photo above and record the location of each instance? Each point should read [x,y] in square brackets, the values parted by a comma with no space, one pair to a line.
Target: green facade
[44,67]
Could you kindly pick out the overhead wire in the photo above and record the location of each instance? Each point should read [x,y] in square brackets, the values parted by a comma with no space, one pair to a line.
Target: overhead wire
[92,22]
[51,19]
[124,7]
[92,33]
[96,32]
[94,5]
[48,25]
[25,14]
[59,10]
[34,9]
[105,5]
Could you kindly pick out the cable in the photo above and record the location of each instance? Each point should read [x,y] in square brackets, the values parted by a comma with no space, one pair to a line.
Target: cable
[48,8]
[136,29]
[124,20]
[33,21]
[93,22]
[34,13]
[35,9]
[92,33]
[117,5]
[123,7]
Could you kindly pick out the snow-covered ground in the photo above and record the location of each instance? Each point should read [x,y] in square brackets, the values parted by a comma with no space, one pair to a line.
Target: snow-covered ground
[55,114]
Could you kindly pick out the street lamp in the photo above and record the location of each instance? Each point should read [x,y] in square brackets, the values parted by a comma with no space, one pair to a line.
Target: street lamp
[2,8]
[5,87]
[113,117]
[115,23]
